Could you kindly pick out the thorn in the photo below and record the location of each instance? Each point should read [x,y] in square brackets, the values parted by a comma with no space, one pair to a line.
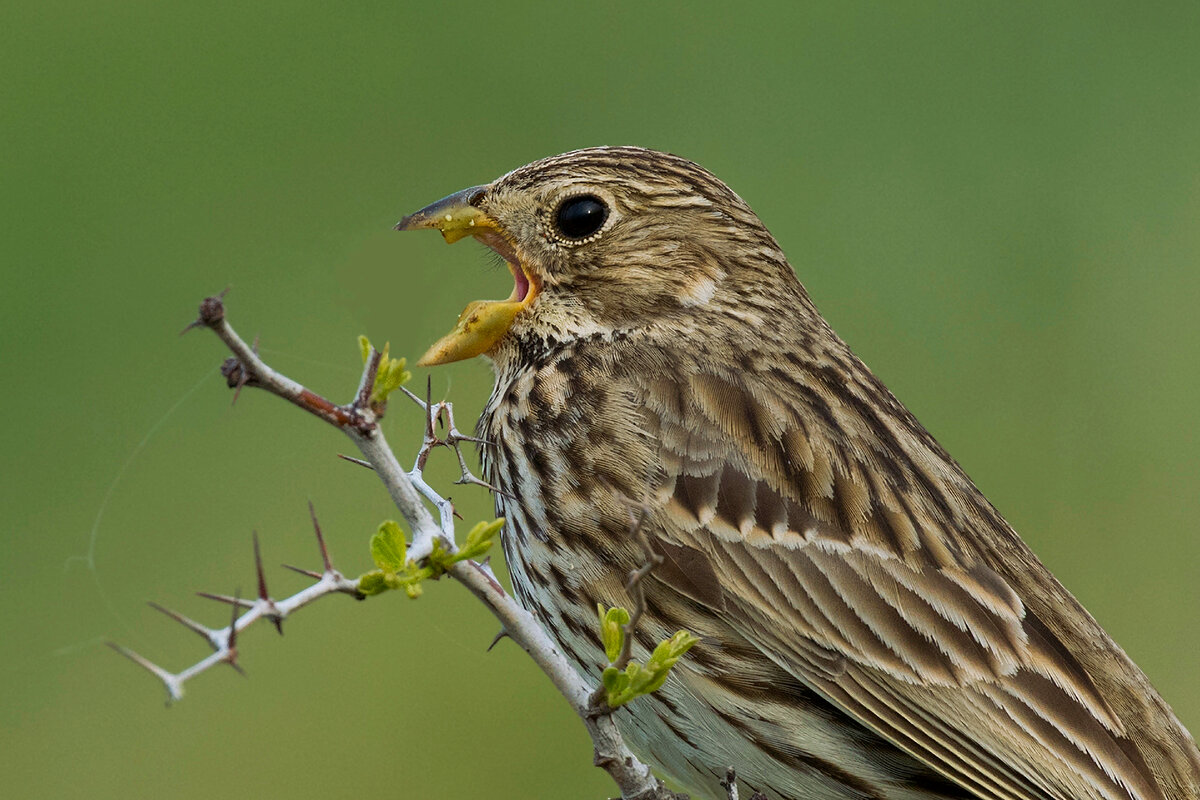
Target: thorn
[187,622]
[412,396]
[271,613]
[231,651]
[169,680]
[471,480]
[429,407]
[485,570]
[233,617]
[467,479]
[501,635]
[307,572]
[141,661]
[258,567]
[244,379]
[354,460]
[312,513]
[462,437]
[237,602]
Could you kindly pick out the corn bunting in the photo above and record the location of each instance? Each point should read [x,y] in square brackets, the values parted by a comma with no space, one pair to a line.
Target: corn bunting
[871,626]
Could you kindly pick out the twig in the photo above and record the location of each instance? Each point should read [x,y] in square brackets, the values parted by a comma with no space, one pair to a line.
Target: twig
[634,581]
[730,784]
[598,704]
[224,640]
[453,439]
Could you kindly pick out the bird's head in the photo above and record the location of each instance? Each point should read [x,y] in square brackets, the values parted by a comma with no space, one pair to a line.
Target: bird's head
[608,239]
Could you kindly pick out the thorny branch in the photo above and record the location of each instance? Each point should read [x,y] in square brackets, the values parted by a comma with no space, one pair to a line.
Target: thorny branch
[439,415]
[223,641]
[359,421]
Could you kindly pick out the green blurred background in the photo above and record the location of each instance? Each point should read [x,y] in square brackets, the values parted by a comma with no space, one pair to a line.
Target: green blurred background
[997,205]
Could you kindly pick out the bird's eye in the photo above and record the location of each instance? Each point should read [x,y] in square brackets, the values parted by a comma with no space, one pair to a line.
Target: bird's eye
[580,217]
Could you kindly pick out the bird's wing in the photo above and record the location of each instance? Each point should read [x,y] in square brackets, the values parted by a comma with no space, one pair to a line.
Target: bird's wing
[845,564]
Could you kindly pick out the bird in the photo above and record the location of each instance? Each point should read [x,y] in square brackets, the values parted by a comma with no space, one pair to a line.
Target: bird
[870,625]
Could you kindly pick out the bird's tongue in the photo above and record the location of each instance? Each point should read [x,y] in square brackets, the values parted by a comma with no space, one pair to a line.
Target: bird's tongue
[521,289]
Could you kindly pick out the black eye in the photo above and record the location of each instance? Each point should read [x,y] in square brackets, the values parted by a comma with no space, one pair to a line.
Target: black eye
[580,217]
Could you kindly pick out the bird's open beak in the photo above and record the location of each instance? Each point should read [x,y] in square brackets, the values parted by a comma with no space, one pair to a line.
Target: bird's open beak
[484,322]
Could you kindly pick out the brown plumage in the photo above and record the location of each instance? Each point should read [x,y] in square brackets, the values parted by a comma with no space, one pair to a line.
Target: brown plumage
[872,627]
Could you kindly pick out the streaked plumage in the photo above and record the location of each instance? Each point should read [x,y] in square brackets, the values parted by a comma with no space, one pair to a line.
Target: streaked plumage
[872,627]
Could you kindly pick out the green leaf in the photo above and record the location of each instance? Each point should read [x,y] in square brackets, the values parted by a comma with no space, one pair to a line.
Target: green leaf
[672,649]
[615,683]
[479,539]
[390,376]
[612,630]
[637,680]
[395,375]
[389,550]
[439,559]
[654,677]
[372,583]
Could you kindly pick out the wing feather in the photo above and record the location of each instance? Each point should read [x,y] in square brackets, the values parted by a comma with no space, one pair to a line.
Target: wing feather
[852,576]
